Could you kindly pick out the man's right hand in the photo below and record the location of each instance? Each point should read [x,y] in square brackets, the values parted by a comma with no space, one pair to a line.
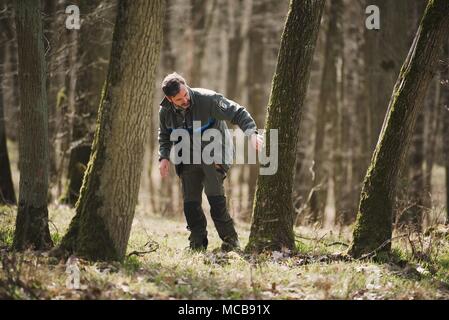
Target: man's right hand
[164,166]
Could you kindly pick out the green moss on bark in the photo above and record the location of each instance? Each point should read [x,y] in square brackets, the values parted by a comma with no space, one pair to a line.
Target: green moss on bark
[88,236]
[79,158]
[105,208]
[373,229]
[273,213]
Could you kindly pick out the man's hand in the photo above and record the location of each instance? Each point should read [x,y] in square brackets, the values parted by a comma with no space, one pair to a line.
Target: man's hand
[257,141]
[164,165]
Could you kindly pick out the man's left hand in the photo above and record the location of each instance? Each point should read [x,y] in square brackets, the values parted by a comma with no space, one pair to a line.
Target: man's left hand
[257,141]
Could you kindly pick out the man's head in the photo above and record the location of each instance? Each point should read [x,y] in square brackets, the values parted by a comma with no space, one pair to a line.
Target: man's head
[175,89]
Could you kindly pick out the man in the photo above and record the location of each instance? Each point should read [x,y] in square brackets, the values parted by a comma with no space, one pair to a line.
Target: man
[179,109]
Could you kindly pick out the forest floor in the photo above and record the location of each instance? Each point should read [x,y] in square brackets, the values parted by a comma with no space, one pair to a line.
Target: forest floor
[159,266]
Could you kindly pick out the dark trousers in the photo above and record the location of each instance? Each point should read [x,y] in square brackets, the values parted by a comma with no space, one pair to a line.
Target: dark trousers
[195,178]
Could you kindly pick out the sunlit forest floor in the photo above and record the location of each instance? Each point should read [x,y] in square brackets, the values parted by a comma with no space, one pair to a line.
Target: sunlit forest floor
[159,266]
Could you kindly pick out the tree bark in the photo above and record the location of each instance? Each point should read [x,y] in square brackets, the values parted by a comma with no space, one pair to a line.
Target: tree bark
[32,216]
[273,215]
[101,227]
[373,227]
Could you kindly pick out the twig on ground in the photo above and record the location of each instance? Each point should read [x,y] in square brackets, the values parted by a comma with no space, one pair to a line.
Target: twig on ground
[152,247]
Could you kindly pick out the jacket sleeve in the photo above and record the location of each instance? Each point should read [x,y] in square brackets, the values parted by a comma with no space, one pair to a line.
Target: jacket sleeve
[163,137]
[226,109]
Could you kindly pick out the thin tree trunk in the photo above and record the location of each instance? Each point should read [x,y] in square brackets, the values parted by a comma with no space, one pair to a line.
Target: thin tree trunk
[385,49]
[414,214]
[445,115]
[272,226]
[201,25]
[50,33]
[374,221]
[7,194]
[256,81]
[12,108]
[66,79]
[354,114]
[433,131]
[32,216]
[165,196]
[327,105]
[105,210]
[236,15]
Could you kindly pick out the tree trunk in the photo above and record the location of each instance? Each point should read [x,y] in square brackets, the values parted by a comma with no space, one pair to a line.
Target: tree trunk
[91,74]
[201,25]
[164,192]
[272,226]
[385,50]
[50,29]
[445,113]
[414,213]
[354,116]
[327,104]
[11,107]
[255,81]
[7,194]
[374,220]
[341,118]
[65,104]
[32,216]
[235,44]
[105,210]
[431,133]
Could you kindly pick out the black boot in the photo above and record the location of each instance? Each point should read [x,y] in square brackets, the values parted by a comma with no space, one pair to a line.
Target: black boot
[223,223]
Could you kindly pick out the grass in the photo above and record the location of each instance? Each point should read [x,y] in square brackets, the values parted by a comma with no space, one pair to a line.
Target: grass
[169,271]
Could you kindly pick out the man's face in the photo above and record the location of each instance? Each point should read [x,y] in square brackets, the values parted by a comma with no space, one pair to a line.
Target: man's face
[182,99]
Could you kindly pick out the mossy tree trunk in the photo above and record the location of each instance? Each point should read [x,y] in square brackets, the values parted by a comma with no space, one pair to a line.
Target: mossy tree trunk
[101,227]
[373,227]
[7,194]
[90,75]
[273,214]
[32,216]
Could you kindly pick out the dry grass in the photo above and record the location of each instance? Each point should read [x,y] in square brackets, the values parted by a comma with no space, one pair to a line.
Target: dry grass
[170,271]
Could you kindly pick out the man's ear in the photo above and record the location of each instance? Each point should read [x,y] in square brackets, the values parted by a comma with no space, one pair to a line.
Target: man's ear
[169,99]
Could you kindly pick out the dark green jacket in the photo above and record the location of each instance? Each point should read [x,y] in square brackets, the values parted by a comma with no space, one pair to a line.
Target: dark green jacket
[209,107]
